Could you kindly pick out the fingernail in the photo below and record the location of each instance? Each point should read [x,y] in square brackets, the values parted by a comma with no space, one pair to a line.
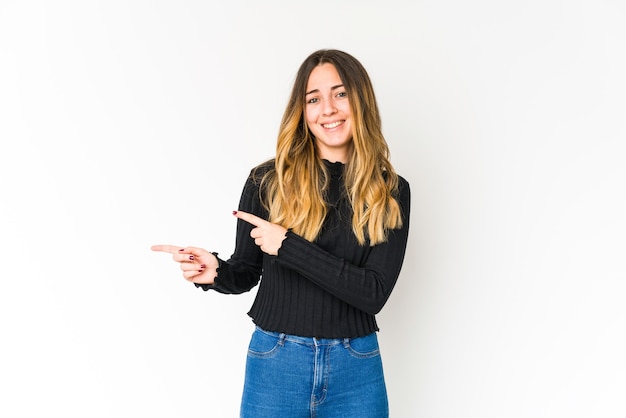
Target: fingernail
[181,250]
[234,212]
[202,266]
[191,257]
[200,271]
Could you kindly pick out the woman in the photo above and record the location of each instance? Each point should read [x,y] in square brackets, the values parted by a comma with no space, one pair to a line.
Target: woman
[325,224]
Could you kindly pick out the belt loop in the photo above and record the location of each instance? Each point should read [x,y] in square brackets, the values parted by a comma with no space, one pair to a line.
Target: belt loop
[346,342]
[281,339]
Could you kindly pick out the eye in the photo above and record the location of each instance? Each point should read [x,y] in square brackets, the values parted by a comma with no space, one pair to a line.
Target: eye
[342,94]
[313,100]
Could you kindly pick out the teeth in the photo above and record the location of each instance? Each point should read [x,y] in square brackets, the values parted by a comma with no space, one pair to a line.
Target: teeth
[331,125]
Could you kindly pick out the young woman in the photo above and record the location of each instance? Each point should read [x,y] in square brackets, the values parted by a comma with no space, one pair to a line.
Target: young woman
[323,227]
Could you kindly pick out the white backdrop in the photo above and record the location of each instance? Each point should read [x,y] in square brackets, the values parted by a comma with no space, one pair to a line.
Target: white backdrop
[130,123]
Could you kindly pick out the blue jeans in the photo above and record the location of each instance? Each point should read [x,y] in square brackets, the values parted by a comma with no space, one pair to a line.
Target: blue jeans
[290,376]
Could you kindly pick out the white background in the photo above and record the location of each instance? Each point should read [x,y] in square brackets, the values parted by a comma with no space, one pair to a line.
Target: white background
[130,123]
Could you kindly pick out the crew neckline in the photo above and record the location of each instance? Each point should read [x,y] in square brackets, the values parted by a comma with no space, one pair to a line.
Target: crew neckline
[335,169]
[328,162]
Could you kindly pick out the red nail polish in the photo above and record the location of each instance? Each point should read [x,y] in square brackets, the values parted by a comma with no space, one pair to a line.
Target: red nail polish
[181,250]
[191,257]
[234,212]
[202,266]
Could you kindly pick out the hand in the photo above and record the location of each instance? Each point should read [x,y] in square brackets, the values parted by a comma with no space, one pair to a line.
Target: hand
[268,236]
[198,265]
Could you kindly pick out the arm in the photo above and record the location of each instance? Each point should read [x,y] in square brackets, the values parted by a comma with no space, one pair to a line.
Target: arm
[366,286]
[242,271]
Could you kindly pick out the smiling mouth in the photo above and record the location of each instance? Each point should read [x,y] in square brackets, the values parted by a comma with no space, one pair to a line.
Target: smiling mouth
[331,125]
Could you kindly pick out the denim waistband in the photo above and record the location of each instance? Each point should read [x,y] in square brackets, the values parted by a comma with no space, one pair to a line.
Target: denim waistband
[312,341]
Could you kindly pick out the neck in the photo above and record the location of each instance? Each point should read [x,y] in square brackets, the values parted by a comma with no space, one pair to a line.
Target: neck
[335,156]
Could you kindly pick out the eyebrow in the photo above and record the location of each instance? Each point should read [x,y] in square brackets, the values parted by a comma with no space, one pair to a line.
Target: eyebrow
[317,90]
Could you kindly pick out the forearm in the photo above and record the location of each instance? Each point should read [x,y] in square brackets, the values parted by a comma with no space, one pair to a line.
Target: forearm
[366,287]
[232,278]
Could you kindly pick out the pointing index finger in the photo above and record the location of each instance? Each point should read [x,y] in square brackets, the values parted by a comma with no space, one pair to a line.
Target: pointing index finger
[172,249]
[250,218]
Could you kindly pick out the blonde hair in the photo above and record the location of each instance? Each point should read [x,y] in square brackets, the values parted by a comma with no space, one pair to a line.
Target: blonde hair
[293,191]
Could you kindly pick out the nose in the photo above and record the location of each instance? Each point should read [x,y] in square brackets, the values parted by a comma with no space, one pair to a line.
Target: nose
[328,107]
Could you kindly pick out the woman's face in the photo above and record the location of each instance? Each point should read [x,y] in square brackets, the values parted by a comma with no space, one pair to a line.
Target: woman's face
[327,113]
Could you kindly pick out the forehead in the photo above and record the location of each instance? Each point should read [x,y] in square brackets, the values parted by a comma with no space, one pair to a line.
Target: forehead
[324,75]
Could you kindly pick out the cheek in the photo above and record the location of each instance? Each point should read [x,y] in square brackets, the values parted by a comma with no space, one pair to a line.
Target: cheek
[308,116]
[345,108]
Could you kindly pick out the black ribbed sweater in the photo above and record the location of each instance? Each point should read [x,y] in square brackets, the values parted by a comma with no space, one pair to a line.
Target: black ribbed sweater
[330,288]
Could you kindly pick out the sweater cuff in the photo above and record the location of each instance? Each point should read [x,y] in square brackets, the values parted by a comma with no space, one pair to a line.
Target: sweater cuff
[214,286]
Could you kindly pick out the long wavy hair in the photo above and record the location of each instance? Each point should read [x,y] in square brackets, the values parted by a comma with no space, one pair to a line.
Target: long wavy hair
[293,191]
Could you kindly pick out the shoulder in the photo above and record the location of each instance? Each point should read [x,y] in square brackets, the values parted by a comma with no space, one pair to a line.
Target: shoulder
[252,195]
[403,185]
[260,171]
[402,182]
[403,194]
[256,178]
[404,189]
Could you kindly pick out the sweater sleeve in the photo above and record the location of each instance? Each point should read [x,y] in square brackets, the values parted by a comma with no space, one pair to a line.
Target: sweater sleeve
[366,286]
[242,271]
